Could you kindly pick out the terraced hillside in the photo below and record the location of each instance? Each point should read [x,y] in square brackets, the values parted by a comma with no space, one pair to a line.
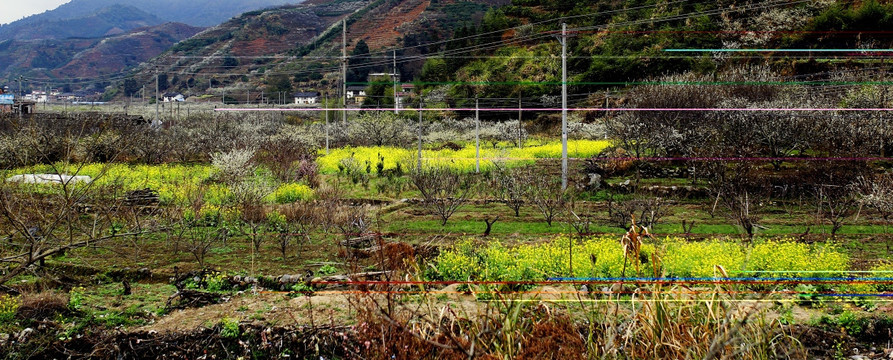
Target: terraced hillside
[303,43]
[88,57]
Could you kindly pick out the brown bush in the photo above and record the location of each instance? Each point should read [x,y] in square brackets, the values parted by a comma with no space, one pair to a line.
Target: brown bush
[383,339]
[398,256]
[553,338]
[43,305]
[289,160]
[380,339]
[450,145]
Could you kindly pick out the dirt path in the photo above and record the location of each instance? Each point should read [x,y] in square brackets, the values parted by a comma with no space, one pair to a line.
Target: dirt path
[273,308]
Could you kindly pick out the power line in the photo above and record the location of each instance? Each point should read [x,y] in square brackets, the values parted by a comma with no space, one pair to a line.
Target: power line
[478,47]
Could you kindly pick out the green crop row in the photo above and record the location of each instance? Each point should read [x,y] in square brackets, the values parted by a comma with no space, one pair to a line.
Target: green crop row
[603,257]
[175,183]
[462,159]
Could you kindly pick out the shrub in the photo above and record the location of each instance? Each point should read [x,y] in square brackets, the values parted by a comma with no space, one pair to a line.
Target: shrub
[9,305]
[215,281]
[327,270]
[229,328]
[234,165]
[76,298]
[251,192]
[101,147]
[289,193]
[302,288]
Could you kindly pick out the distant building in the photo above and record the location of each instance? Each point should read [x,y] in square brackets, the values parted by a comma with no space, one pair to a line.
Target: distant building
[357,93]
[306,98]
[67,97]
[174,97]
[402,98]
[37,96]
[24,107]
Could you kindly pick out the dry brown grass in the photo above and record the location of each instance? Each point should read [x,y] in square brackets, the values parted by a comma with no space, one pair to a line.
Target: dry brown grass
[42,305]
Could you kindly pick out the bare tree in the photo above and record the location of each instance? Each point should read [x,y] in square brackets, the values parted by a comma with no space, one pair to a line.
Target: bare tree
[380,128]
[511,185]
[666,132]
[201,230]
[352,221]
[580,219]
[835,203]
[253,218]
[877,193]
[833,186]
[643,210]
[249,197]
[201,239]
[443,190]
[740,191]
[545,193]
[71,217]
[302,219]
[279,226]
[289,156]
[68,213]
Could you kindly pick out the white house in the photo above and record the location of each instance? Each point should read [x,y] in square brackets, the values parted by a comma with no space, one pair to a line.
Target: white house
[37,96]
[356,92]
[306,98]
[174,97]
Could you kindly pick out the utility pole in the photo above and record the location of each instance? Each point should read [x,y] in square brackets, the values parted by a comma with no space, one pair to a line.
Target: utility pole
[420,131]
[563,106]
[607,106]
[520,127]
[477,136]
[327,123]
[344,68]
[157,119]
[395,83]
